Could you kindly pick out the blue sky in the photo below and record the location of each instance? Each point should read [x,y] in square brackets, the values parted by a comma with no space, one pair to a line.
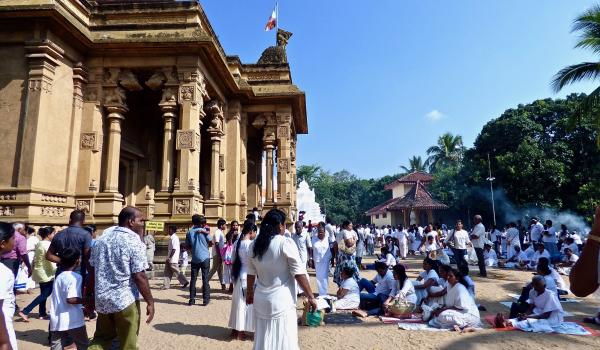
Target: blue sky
[385,78]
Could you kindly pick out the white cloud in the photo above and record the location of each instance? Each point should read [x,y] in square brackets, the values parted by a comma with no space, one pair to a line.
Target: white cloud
[435,115]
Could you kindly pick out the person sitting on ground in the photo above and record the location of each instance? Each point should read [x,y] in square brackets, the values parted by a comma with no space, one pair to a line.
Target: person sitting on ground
[570,243]
[386,257]
[436,294]
[540,252]
[430,245]
[402,303]
[564,268]
[427,278]
[543,269]
[66,314]
[348,295]
[489,255]
[378,290]
[543,304]
[460,311]
[561,285]
[529,249]
[517,260]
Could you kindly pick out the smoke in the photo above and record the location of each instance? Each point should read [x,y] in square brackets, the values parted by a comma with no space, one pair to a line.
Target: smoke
[507,212]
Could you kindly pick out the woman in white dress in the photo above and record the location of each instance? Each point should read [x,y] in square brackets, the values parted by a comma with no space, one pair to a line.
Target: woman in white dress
[241,318]
[403,300]
[321,257]
[274,264]
[427,278]
[460,311]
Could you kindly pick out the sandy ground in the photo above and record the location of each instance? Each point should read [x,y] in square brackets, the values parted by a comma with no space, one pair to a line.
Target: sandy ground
[178,326]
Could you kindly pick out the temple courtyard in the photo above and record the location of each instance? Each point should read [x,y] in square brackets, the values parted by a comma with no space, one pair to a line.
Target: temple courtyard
[178,326]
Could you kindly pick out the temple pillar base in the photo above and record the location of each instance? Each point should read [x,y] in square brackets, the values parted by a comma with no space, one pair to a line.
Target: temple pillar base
[213,209]
[107,206]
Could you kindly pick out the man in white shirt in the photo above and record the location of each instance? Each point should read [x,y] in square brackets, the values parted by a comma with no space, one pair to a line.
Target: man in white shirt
[512,238]
[402,237]
[477,240]
[518,259]
[172,263]
[378,290]
[303,241]
[459,239]
[535,233]
[540,252]
[218,244]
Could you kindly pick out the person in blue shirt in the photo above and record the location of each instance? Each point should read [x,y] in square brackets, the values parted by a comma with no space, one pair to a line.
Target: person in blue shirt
[199,241]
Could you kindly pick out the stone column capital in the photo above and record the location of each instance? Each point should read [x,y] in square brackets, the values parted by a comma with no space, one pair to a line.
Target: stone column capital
[116,111]
[169,110]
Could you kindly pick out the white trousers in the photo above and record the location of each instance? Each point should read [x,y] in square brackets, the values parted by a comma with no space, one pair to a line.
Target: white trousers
[322,275]
[450,318]
[403,249]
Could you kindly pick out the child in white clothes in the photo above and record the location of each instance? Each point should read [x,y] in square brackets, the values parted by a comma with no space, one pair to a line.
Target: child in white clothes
[183,259]
[66,314]
[349,294]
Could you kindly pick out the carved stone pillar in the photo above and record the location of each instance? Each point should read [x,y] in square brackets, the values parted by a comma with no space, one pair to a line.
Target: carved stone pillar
[79,80]
[214,207]
[36,144]
[269,147]
[168,108]
[284,178]
[113,153]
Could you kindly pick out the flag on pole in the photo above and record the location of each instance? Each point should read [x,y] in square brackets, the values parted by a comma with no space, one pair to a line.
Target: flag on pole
[272,22]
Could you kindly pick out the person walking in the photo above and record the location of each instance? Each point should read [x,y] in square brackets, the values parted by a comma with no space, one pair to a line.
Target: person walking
[458,240]
[150,243]
[17,254]
[43,273]
[172,262]
[75,237]
[118,264]
[274,264]
[478,241]
[199,241]
[218,244]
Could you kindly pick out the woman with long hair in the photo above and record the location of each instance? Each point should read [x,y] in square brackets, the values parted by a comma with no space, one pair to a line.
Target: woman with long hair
[460,311]
[227,253]
[403,302]
[274,264]
[240,317]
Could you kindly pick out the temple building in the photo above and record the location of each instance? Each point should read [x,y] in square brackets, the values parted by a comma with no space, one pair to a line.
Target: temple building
[109,103]
[411,202]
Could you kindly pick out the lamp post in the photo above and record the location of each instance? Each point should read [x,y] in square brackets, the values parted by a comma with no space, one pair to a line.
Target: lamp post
[491,180]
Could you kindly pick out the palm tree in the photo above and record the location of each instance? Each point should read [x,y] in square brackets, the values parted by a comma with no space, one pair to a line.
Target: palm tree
[414,164]
[449,150]
[589,25]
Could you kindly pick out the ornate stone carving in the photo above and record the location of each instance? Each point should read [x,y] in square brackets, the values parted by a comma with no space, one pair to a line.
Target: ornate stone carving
[259,121]
[53,198]
[114,96]
[221,162]
[156,81]
[182,206]
[89,141]
[187,93]
[283,164]
[187,139]
[84,205]
[41,84]
[149,195]
[196,206]
[191,184]
[269,134]
[7,210]
[243,166]
[283,132]
[129,81]
[91,94]
[243,197]
[176,184]
[93,185]
[169,94]
[53,211]
[263,76]
[8,196]
[276,54]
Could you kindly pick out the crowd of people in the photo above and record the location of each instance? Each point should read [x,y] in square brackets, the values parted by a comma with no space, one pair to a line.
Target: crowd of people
[264,268]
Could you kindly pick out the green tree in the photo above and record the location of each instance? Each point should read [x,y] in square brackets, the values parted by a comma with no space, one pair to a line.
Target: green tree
[449,150]
[414,164]
[588,24]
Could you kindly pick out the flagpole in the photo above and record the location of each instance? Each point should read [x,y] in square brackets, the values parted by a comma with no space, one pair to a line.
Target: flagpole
[277,10]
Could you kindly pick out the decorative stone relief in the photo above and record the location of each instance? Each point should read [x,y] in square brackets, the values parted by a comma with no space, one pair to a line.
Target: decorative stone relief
[93,185]
[187,139]
[287,196]
[53,211]
[176,184]
[182,206]
[156,80]
[283,164]
[40,84]
[89,141]
[283,132]
[191,184]
[196,206]
[114,95]
[169,94]
[221,162]
[243,197]
[259,121]
[129,81]
[8,196]
[187,93]
[91,94]
[284,118]
[149,195]
[269,133]
[7,211]
[53,198]
[243,166]
[84,205]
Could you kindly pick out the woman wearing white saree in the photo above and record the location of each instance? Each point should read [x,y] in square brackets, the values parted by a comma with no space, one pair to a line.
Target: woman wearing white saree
[460,311]
[274,264]
[241,318]
[321,256]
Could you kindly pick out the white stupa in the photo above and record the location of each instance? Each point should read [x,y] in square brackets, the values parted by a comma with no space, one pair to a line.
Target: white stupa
[306,202]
